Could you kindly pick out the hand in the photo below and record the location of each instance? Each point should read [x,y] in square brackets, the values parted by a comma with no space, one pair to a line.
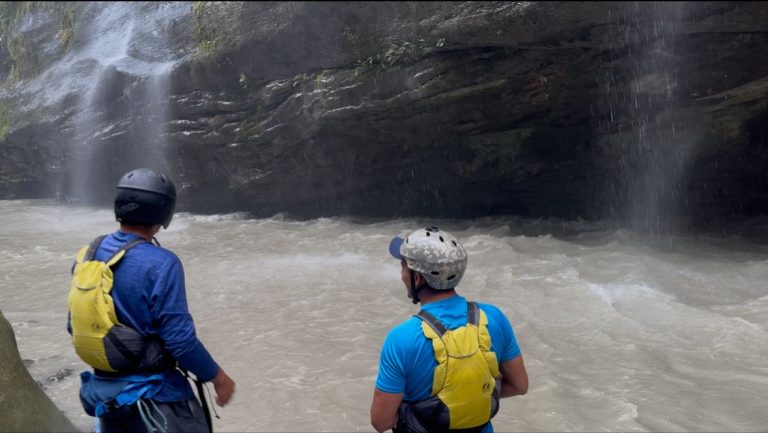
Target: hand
[224,387]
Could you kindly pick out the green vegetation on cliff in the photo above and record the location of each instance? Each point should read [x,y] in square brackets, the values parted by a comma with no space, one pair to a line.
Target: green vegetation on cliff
[396,54]
[209,37]
[5,120]
[16,57]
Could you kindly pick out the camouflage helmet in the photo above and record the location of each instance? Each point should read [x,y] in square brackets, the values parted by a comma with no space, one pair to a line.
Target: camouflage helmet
[437,255]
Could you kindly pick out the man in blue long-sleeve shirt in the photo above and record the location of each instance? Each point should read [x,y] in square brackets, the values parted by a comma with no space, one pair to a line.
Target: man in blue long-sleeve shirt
[149,297]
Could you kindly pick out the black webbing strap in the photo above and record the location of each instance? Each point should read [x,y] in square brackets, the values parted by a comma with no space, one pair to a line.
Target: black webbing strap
[93,248]
[201,396]
[89,253]
[204,403]
[433,323]
[473,313]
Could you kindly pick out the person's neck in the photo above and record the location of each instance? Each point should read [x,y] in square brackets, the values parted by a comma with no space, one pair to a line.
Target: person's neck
[145,232]
[426,298]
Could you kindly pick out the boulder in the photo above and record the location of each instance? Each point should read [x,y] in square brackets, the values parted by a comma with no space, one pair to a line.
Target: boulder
[24,407]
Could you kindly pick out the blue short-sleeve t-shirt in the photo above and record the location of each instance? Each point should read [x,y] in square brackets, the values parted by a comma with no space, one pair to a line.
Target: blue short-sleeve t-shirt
[407,360]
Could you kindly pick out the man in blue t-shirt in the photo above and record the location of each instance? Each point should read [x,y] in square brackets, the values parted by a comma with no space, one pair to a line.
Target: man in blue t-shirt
[150,298]
[414,354]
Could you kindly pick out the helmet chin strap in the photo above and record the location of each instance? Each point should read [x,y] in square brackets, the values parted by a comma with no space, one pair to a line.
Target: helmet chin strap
[413,290]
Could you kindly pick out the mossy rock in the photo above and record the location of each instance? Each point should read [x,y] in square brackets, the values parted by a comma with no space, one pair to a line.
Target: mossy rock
[24,407]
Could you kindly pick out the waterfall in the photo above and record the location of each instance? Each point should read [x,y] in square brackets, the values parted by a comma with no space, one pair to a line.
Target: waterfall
[122,111]
[155,134]
[92,118]
[645,129]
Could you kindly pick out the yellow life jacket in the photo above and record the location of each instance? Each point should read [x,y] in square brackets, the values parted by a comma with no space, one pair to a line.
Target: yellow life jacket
[99,339]
[466,382]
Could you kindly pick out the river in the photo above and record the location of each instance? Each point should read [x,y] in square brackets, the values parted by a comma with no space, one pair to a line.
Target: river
[618,332]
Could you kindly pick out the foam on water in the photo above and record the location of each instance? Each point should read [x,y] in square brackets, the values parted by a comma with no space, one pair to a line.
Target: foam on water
[617,294]
[618,333]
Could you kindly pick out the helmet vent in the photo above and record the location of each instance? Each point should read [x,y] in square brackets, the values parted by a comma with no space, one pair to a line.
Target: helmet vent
[130,175]
[435,272]
[454,243]
[427,234]
[451,277]
[441,239]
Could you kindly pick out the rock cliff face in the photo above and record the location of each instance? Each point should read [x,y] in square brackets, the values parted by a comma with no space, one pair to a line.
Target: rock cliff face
[646,113]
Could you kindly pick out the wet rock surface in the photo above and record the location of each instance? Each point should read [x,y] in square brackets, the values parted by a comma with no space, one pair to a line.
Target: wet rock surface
[24,407]
[638,112]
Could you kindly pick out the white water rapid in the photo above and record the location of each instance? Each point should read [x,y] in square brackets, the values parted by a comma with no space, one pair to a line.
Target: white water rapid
[618,334]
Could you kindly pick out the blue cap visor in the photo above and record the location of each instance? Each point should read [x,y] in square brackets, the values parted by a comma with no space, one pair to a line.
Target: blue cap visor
[394,247]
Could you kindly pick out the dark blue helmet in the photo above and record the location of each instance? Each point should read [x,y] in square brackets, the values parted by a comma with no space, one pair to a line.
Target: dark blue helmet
[145,196]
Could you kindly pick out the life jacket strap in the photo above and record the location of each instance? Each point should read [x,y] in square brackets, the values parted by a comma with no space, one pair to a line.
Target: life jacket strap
[473,313]
[433,323]
[121,252]
[473,317]
[92,248]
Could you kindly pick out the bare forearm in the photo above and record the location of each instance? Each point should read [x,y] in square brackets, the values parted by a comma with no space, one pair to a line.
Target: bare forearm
[510,390]
[381,427]
[514,378]
[383,419]
[384,410]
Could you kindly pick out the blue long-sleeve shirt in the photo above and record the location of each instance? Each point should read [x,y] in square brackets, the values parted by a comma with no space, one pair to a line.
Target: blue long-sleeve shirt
[150,297]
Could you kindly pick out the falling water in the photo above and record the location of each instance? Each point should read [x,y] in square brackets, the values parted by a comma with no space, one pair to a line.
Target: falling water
[651,138]
[154,136]
[92,118]
[123,108]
